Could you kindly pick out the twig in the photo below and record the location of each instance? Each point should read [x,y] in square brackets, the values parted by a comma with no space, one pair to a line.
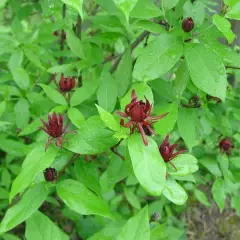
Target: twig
[114,149]
[232,67]
[133,46]
[62,35]
[74,157]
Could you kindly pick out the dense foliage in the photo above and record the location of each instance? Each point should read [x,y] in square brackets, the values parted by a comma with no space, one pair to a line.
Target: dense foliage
[113,113]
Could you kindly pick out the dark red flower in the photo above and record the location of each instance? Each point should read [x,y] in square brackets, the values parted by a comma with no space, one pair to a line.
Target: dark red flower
[50,174]
[167,150]
[226,146]
[66,84]
[139,113]
[187,24]
[54,128]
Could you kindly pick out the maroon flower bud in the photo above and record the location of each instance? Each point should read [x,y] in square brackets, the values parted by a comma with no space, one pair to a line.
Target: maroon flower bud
[55,33]
[166,151]
[54,128]
[226,146]
[155,217]
[139,115]
[66,84]
[50,174]
[187,24]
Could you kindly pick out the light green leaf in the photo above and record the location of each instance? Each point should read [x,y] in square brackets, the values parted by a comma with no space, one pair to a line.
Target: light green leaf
[151,26]
[234,13]
[62,68]
[80,199]
[224,26]
[142,90]
[202,198]
[174,192]
[54,95]
[187,129]
[7,236]
[123,75]
[87,173]
[219,193]
[29,203]
[148,165]
[145,9]
[75,44]
[33,58]
[132,198]
[158,57]
[39,227]
[211,164]
[185,164]
[21,78]
[21,111]
[76,117]
[212,78]
[166,124]
[107,92]
[168,4]
[76,4]
[91,138]
[36,161]
[16,59]
[2,107]
[84,92]
[125,6]
[108,119]
[136,227]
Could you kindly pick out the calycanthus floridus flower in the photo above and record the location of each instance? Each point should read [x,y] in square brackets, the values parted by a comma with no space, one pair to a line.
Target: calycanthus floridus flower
[139,115]
[167,150]
[50,174]
[226,146]
[66,84]
[54,128]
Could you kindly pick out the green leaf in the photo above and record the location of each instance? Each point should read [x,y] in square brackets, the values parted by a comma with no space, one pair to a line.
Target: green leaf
[76,117]
[33,58]
[108,119]
[187,129]
[87,173]
[185,164]
[142,90]
[201,197]
[125,6]
[21,110]
[174,192]
[21,78]
[234,13]
[206,69]
[7,236]
[151,26]
[80,199]
[107,92]
[32,127]
[145,9]
[219,194]
[6,178]
[76,4]
[123,75]
[53,94]
[36,161]
[166,124]
[74,43]
[84,92]
[16,59]
[211,164]
[91,138]
[132,198]
[224,26]
[165,232]
[39,227]
[28,204]
[2,107]
[14,148]
[148,165]
[168,4]
[62,68]
[4,194]
[136,227]
[158,57]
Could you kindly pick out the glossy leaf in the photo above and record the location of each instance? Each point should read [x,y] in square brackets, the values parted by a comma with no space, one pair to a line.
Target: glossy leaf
[212,77]
[136,227]
[28,204]
[76,117]
[148,165]
[158,57]
[174,192]
[80,199]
